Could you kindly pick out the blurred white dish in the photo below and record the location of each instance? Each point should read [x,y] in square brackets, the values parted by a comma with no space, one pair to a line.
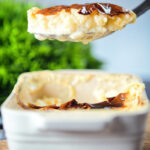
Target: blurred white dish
[105,130]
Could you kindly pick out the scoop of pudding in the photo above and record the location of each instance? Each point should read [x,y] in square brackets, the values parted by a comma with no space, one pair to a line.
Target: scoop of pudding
[78,23]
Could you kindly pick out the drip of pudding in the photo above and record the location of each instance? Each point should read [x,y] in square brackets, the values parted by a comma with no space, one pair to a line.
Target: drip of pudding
[78,23]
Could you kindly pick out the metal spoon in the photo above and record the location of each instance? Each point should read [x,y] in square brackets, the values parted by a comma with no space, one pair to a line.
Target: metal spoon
[142,8]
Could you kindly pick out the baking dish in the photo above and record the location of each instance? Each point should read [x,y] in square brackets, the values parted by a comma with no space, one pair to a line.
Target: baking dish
[80,129]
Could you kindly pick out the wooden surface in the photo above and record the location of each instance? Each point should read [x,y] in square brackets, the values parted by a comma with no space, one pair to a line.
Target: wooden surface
[3,144]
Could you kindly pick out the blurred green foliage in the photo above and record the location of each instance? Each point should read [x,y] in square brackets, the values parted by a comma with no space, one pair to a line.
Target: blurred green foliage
[21,52]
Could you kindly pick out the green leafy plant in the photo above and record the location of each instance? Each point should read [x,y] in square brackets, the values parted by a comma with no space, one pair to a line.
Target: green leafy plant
[21,52]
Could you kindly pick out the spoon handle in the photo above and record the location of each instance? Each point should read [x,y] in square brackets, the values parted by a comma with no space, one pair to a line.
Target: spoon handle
[142,8]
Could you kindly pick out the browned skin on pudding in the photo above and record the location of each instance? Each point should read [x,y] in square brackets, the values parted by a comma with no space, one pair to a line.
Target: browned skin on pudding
[87,9]
[117,101]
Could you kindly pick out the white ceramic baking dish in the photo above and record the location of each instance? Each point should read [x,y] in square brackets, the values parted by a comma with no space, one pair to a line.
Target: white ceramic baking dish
[72,130]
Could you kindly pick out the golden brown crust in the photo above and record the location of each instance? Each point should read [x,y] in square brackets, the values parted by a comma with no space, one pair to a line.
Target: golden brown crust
[117,101]
[87,9]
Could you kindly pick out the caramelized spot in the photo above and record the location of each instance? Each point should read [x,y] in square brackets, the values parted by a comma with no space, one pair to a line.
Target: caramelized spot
[86,9]
[118,101]
[74,104]
[71,104]
[43,107]
[142,103]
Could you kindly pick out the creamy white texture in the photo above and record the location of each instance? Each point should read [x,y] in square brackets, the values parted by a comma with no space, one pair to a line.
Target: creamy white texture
[57,88]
